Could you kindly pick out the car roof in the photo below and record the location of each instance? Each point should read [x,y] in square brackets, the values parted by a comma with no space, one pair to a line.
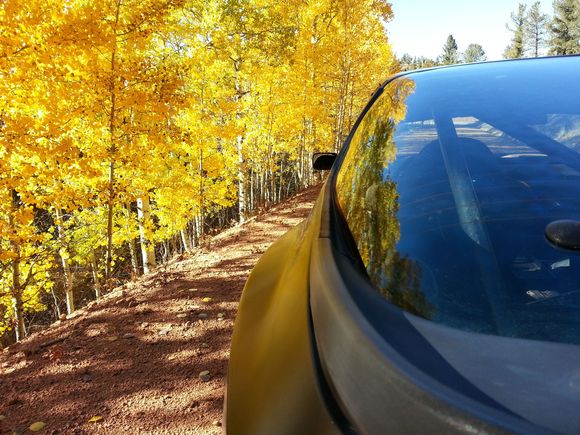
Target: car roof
[480,88]
[507,63]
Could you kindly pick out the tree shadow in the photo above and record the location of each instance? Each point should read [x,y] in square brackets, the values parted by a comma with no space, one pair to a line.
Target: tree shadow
[135,358]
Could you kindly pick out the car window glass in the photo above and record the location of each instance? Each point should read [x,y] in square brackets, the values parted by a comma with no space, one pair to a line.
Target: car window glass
[564,128]
[448,193]
[497,141]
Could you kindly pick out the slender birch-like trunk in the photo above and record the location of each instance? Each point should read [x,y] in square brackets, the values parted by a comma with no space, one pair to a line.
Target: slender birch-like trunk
[147,248]
[95,273]
[242,208]
[17,303]
[112,151]
[68,284]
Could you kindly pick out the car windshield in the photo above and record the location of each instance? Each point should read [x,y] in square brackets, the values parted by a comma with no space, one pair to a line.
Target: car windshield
[449,184]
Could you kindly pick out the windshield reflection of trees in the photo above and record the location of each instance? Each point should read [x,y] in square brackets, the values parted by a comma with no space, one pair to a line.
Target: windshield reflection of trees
[370,202]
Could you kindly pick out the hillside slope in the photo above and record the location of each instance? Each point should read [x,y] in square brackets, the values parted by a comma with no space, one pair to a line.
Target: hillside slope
[135,361]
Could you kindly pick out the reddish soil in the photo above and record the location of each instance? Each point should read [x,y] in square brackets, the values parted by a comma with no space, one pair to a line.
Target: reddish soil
[134,359]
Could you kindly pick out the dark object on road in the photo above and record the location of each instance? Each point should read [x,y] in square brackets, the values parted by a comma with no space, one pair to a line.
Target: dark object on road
[432,289]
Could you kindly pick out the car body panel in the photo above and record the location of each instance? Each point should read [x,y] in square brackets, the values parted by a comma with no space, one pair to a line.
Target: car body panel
[480,382]
[272,377]
[539,381]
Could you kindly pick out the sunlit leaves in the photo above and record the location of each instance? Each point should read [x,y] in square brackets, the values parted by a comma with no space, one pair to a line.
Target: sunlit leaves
[184,99]
[37,426]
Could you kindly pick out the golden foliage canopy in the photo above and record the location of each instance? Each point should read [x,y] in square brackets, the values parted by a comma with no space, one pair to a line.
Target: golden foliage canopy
[193,105]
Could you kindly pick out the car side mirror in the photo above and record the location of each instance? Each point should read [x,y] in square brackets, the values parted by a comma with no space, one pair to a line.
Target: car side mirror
[323,161]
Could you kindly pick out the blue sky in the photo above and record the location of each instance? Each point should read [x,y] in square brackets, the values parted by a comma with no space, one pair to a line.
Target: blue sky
[420,27]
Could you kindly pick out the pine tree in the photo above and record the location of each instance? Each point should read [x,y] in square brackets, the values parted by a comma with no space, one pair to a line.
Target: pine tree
[450,54]
[535,29]
[564,29]
[517,47]
[406,62]
[474,53]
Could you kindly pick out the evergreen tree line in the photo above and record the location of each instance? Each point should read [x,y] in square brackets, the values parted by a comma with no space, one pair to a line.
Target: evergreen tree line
[131,129]
[533,30]
[534,33]
[450,55]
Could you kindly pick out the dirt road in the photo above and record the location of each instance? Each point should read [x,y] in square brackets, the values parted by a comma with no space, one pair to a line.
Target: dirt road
[151,356]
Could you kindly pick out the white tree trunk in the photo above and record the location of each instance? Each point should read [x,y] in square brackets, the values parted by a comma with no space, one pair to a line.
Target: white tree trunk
[95,272]
[185,242]
[68,284]
[147,248]
[241,182]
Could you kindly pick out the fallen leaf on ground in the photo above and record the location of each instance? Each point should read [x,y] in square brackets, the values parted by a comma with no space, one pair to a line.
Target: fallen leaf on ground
[2,417]
[95,418]
[56,353]
[112,338]
[37,426]
[165,330]
[207,299]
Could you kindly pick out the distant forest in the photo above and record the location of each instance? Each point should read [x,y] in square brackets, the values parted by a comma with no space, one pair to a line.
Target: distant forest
[533,33]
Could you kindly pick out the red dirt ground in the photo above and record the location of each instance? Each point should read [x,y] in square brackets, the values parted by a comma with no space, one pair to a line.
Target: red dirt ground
[134,358]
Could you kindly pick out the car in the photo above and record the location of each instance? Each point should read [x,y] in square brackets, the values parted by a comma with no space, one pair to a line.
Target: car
[435,286]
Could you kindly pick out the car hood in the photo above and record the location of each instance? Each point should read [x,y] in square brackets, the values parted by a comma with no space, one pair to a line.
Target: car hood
[539,381]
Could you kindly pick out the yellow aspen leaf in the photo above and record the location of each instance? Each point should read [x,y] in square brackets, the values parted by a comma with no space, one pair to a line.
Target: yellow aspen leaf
[95,419]
[37,426]
[206,300]
[7,255]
